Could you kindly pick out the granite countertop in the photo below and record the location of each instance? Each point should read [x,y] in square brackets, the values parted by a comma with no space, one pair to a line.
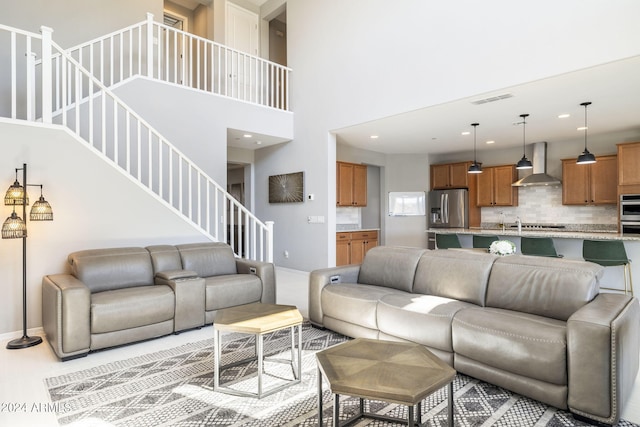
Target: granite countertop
[558,233]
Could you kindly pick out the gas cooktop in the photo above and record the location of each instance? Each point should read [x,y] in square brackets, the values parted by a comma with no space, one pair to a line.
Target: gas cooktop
[539,226]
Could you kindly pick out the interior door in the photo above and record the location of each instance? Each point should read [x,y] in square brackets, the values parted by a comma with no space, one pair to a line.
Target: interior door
[242,35]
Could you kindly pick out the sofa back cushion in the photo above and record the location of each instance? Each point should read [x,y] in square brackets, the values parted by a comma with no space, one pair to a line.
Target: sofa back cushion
[208,259]
[460,275]
[114,268]
[165,258]
[390,266]
[549,287]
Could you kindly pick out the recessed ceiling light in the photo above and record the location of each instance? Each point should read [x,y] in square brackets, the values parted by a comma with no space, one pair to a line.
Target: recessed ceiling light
[490,142]
[564,116]
[582,128]
[374,137]
[247,135]
[466,133]
[258,142]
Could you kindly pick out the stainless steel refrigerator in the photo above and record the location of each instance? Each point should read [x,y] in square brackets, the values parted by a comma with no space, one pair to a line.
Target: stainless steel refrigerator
[449,208]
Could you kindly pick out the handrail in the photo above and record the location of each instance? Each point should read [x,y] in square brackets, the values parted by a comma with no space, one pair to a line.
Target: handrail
[165,53]
[122,137]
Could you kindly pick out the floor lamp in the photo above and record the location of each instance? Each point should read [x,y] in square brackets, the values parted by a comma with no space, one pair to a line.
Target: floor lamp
[15,227]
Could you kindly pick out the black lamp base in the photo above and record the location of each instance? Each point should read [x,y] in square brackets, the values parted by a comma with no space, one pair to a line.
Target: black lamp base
[23,342]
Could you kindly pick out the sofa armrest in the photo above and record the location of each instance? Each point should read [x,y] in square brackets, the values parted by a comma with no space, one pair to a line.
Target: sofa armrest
[265,271]
[602,351]
[189,293]
[318,279]
[66,306]
[174,275]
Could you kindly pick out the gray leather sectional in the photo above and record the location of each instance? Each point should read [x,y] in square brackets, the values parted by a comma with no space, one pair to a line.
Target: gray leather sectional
[118,296]
[534,325]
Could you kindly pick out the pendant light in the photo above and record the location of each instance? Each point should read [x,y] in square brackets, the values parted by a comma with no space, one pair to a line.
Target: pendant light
[475,167]
[524,163]
[586,157]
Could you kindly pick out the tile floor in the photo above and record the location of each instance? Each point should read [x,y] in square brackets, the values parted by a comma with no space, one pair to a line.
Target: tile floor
[24,400]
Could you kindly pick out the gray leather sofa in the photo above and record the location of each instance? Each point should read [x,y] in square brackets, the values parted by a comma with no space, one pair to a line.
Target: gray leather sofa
[534,325]
[118,296]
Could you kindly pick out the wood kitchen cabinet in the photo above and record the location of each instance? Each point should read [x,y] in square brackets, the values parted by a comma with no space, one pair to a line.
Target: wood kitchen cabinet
[351,184]
[494,186]
[591,184]
[352,246]
[628,170]
[450,175]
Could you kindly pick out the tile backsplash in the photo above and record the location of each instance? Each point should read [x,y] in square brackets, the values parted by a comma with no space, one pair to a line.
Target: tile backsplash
[348,219]
[543,205]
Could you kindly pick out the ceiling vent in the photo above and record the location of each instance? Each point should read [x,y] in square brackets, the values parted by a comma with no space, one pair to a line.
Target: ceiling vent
[492,99]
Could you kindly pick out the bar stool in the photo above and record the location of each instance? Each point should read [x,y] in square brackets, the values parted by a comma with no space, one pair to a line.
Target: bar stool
[538,246]
[609,253]
[446,241]
[483,241]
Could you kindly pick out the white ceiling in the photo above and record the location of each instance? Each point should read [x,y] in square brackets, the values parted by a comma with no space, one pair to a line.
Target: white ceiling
[613,89]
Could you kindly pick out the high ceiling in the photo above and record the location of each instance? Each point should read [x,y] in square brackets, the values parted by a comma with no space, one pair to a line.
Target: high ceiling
[613,89]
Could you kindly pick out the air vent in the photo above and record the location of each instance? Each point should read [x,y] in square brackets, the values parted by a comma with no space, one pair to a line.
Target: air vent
[492,99]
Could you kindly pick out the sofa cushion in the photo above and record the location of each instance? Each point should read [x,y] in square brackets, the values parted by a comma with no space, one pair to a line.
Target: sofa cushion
[520,343]
[544,286]
[121,309]
[423,319]
[231,290]
[165,258]
[391,267]
[109,269]
[460,275]
[208,259]
[353,303]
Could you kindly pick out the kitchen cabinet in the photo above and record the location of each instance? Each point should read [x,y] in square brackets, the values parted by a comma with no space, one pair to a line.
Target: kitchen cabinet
[351,247]
[628,170]
[450,175]
[591,184]
[494,186]
[351,184]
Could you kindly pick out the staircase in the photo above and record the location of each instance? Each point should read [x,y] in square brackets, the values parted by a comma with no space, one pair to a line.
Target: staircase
[72,89]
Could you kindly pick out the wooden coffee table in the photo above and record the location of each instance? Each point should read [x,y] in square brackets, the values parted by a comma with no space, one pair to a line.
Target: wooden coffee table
[395,372]
[257,319]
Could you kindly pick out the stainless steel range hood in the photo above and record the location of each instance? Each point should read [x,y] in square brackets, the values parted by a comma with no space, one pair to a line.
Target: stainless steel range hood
[539,175]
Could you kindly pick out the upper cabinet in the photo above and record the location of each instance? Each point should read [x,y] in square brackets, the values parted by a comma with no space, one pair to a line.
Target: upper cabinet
[351,184]
[592,184]
[628,170]
[494,186]
[450,175]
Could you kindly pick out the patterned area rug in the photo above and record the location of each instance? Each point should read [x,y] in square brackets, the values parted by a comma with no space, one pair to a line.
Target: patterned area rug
[175,388]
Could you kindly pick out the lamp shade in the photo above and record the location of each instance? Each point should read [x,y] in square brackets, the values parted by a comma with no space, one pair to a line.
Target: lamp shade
[15,194]
[41,211]
[14,227]
[475,168]
[586,157]
[524,163]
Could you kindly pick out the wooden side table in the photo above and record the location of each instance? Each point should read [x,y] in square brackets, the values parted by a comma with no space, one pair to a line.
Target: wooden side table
[395,372]
[258,319]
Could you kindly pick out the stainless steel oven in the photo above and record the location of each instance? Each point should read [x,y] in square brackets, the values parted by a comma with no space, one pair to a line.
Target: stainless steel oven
[630,207]
[630,227]
[630,214]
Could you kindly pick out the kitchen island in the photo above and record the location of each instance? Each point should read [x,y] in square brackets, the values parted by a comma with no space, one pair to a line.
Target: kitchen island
[568,243]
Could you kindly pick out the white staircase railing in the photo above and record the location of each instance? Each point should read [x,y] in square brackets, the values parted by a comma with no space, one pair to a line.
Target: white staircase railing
[88,108]
[161,52]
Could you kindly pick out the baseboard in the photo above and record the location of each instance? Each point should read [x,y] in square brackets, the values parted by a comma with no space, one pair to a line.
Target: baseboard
[8,336]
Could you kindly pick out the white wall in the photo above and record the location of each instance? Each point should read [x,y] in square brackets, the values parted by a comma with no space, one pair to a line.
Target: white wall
[94,206]
[196,122]
[77,21]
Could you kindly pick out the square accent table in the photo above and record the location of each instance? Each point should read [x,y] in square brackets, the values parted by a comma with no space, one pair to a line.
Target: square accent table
[257,319]
[395,372]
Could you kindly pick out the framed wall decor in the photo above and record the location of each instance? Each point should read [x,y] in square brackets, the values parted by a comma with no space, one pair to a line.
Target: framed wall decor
[286,188]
